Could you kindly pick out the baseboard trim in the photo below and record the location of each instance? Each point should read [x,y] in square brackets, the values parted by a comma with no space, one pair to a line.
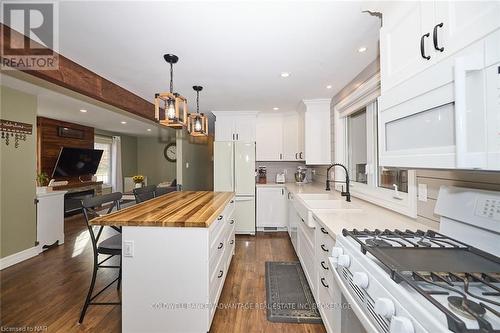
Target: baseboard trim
[18,257]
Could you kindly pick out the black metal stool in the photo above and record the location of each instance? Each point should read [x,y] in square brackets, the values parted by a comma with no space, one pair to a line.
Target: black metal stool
[111,246]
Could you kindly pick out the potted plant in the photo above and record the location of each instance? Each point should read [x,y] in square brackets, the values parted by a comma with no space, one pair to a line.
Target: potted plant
[42,180]
[138,180]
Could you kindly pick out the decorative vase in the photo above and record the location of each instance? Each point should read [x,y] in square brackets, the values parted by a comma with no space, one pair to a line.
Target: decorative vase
[138,185]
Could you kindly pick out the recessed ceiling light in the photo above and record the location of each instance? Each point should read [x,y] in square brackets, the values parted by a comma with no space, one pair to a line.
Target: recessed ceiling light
[362,49]
[83,110]
[285,74]
[276,108]
[329,86]
[123,122]
[149,130]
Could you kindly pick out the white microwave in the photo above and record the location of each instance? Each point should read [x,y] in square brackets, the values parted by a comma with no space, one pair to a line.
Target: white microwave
[447,117]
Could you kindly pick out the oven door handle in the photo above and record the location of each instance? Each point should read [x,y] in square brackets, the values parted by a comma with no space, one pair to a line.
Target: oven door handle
[349,296]
[465,160]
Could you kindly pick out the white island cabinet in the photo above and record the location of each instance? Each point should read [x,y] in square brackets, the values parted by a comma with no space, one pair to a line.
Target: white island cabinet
[174,271]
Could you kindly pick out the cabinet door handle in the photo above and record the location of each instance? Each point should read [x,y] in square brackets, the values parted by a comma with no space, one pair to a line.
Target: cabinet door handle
[219,218]
[323,265]
[435,37]
[323,248]
[220,246]
[296,156]
[300,155]
[323,283]
[282,192]
[422,46]
[220,274]
[324,231]
[231,242]
[233,136]
[237,136]
[231,221]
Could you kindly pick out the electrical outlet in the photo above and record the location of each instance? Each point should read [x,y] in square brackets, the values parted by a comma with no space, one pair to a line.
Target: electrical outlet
[422,192]
[128,248]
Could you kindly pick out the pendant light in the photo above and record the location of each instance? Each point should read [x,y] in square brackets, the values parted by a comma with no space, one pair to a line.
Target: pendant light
[198,122]
[172,104]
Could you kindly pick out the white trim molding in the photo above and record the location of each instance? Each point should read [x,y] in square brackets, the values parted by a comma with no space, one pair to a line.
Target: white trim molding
[367,92]
[19,257]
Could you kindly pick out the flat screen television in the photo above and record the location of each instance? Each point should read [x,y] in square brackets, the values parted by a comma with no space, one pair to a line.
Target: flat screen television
[77,162]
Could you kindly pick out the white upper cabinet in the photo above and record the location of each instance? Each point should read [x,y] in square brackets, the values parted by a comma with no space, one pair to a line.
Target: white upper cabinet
[417,34]
[293,136]
[459,23]
[280,137]
[317,132]
[269,135]
[235,126]
[405,45]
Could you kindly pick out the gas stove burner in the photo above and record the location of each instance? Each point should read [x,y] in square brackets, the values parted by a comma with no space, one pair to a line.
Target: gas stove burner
[377,242]
[424,244]
[457,305]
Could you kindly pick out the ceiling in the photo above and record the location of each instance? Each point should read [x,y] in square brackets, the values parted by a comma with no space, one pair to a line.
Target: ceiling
[235,50]
[61,106]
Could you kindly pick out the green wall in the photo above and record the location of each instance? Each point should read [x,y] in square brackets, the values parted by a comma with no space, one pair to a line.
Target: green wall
[129,152]
[151,161]
[17,176]
[196,162]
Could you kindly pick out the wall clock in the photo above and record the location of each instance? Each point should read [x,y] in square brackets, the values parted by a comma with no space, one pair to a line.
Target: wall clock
[170,152]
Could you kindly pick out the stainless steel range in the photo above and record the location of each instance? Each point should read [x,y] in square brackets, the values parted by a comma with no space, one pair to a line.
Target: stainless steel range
[426,281]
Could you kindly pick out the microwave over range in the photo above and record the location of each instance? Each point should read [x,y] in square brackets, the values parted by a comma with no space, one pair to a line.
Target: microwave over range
[448,116]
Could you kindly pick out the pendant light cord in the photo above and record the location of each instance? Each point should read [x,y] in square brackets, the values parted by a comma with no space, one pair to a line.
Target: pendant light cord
[197,102]
[171,78]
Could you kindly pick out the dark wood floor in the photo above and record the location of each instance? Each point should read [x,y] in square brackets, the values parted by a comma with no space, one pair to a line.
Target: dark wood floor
[49,290]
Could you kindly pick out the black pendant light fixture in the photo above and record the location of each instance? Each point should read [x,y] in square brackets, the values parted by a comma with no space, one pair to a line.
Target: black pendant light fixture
[172,104]
[198,122]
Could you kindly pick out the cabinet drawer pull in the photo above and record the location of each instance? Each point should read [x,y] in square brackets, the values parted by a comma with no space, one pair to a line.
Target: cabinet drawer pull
[300,156]
[232,201]
[435,37]
[219,218]
[220,274]
[422,46]
[231,242]
[323,283]
[220,246]
[296,154]
[231,221]
[323,265]
[324,231]
[323,248]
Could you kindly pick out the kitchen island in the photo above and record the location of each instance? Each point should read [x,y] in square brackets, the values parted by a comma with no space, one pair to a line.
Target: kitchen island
[176,250]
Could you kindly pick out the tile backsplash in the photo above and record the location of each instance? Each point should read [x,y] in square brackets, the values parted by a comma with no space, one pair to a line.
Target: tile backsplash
[274,168]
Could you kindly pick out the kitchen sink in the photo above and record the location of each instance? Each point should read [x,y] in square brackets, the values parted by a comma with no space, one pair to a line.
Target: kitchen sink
[307,202]
[317,196]
[330,204]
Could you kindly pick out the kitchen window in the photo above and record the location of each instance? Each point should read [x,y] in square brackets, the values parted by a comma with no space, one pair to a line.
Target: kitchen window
[356,145]
[104,170]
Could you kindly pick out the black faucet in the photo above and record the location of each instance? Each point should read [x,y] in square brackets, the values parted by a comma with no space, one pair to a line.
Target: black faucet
[346,194]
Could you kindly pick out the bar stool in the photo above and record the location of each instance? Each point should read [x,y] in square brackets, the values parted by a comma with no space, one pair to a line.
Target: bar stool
[144,193]
[163,190]
[111,246]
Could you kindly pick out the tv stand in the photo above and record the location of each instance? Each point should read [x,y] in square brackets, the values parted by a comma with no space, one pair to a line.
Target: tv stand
[75,192]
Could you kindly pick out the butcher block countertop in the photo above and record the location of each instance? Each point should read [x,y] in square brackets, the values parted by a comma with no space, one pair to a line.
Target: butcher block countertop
[195,209]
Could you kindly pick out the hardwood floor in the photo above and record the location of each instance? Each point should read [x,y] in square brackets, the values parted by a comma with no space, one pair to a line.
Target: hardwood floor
[48,291]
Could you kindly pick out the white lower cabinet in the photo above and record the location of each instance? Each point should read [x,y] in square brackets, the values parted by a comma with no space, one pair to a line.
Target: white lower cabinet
[50,219]
[271,207]
[173,278]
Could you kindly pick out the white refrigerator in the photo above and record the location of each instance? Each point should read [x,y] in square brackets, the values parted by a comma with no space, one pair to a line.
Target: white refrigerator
[234,171]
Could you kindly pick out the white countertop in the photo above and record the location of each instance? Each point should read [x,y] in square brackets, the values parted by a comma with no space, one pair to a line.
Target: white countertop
[370,216]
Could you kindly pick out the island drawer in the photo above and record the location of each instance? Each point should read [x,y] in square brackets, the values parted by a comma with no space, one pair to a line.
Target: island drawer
[217,278]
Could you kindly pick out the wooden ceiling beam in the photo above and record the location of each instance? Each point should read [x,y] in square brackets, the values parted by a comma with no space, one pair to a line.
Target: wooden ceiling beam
[75,77]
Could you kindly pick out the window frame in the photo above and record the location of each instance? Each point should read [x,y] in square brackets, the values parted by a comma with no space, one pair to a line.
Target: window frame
[101,139]
[401,202]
